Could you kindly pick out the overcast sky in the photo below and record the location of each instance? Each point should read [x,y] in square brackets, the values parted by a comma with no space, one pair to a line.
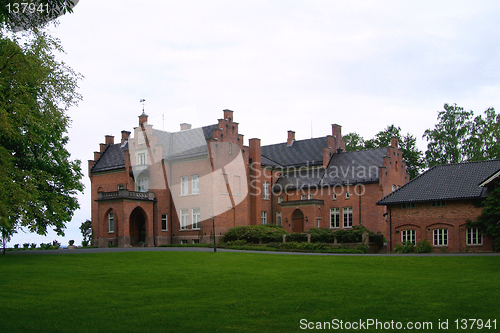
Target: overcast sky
[279,65]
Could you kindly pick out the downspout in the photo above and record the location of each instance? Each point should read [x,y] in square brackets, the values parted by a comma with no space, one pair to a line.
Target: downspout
[390,228]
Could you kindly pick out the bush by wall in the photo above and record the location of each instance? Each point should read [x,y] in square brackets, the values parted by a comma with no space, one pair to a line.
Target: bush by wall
[423,246]
[256,233]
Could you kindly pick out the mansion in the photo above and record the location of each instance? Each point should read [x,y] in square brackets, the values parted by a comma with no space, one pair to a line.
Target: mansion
[156,187]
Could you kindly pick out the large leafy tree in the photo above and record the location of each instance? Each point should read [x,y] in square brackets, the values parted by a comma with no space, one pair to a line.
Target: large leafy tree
[489,220]
[39,180]
[459,137]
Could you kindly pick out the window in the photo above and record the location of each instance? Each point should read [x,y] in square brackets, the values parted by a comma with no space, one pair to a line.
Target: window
[408,205]
[184,241]
[111,222]
[278,218]
[196,218]
[408,236]
[347,195]
[195,184]
[303,197]
[393,187]
[237,185]
[121,187]
[263,218]
[440,237]
[223,184]
[334,197]
[184,219]
[280,199]
[141,159]
[196,241]
[438,203]
[164,222]
[184,185]
[334,218]
[266,190]
[142,185]
[230,148]
[474,236]
[310,196]
[347,217]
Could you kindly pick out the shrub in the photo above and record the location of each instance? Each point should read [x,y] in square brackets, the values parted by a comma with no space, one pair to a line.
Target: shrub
[319,235]
[423,246]
[362,248]
[404,247]
[47,246]
[255,233]
[56,244]
[16,246]
[33,245]
[26,246]
[85,243]
[71,242]
[297,237]
[42,246]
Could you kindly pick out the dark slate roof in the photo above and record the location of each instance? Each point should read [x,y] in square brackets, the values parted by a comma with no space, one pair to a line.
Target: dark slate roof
[112,158]
[445,182]
[267,162]
[364,163]
[301,152]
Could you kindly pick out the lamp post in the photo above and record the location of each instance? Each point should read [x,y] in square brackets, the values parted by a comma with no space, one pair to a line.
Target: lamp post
[213,226]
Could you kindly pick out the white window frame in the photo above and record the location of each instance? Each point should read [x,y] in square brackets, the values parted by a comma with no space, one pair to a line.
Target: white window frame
[334,196]
[141,159]
[408,235]
[230,148]
[184,241]
[347,195]
[265,187]
[280,199]
[164,219]
[184,185]
[347,217]
[440,237]
[184,219]
[263,217]
[303,197]
[474,236]
[111,222]
[196,218]
[310,196]
[334,218]
[142,184]
[195,184]
[279,218]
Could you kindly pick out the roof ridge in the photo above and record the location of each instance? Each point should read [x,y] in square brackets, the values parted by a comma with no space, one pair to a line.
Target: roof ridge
[284,143]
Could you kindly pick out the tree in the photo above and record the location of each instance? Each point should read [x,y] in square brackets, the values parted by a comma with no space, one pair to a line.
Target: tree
[353,142]
[86,230]
[458,137]
[489,220]
[39,181]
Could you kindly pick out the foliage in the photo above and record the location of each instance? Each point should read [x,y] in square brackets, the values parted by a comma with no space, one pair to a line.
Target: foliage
[298,237]
[56,244]
[353,142]
[86,230]
[26,246]
[85,243]
[33,245]
[489,220]
[39,181]
[459,137]
[255,233]
[16,246]
[71,242]
[404,247]
[423,246]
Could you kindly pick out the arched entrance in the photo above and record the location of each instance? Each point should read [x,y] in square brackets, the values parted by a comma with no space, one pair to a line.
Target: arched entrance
[137,225]
[298,221]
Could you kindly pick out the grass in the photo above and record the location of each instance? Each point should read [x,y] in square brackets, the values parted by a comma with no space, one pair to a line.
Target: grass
[238,292]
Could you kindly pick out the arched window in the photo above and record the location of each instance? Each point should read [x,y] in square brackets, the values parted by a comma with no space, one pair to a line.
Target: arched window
[111,222]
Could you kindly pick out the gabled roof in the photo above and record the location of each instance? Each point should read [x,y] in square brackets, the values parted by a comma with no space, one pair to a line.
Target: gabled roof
[445,182]
[300,153]
[112,158]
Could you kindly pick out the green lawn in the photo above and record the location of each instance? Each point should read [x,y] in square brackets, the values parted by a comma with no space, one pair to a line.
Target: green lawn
[239,292]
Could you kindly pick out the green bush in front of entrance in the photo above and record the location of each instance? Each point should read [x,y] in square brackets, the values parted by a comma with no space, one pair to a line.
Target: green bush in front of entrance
[255,234]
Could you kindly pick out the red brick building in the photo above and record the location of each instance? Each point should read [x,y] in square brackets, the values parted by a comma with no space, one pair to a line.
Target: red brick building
[160,187]
[437,204]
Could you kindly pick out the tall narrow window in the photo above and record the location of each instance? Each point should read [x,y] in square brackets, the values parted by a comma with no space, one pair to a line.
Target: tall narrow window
[184,186]
[237,185]
[164,222]
[142,185]
[334,217]
[310,196]
[347,217]
[280,199]
[184,219]
[263,218]
[142,159]
[440,237]
[474,236]
[278,218]
[195,184]
[230,148]
[408,236]
[111,222]
[196,218]
[266,190]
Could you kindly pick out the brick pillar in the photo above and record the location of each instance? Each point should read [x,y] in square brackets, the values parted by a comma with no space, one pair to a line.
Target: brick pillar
[255,189]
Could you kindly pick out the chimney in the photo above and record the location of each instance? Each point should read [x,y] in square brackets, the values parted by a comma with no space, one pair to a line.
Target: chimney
[109,139]
[143,119]
[337,135]
[125,136]
[290,139]
[185,126]
[394,142]
[228,115]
